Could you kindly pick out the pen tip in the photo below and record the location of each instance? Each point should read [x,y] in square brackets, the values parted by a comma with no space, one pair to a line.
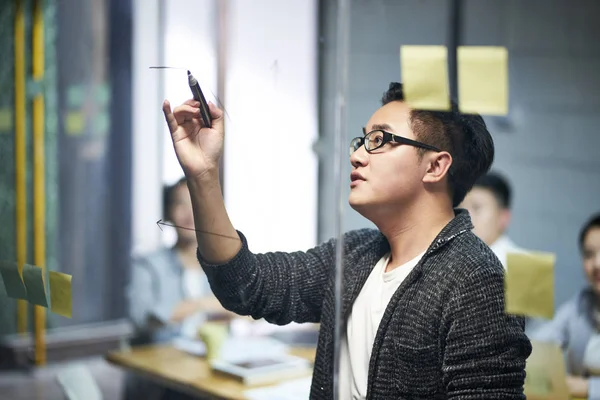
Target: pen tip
[189,73]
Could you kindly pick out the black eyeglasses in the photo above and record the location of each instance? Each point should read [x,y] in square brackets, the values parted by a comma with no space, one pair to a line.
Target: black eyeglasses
[377,138]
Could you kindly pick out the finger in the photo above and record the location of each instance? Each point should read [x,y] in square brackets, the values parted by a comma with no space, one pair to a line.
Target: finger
[215,111]
[169,117]
[217,117]
[192,102]
[185,113]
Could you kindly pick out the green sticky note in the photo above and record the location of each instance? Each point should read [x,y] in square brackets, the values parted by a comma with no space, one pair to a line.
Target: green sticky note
[13,282]
[75,96]
[101,123]
[60,294]
[102,94]
[36,281]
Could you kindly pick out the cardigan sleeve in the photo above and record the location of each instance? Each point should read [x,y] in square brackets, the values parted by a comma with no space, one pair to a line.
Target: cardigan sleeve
[279,287]
[485,348]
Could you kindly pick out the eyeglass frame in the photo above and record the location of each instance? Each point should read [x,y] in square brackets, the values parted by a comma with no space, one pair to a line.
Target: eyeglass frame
[387,138]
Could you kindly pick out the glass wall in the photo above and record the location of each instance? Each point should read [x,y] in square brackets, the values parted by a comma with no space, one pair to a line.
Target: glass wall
[545,145]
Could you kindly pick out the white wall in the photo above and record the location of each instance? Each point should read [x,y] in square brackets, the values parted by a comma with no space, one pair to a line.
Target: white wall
[190,43]
[147,143]
[271,93]
[271,96]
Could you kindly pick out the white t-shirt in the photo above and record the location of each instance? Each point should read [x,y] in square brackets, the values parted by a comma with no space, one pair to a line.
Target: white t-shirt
[591,357]
[364,320]
[504,245]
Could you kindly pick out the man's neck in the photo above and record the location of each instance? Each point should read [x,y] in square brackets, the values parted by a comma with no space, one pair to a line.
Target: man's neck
[496,241]
[413,231]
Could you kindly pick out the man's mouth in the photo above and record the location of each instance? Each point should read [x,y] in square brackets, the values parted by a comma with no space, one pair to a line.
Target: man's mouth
[355,176]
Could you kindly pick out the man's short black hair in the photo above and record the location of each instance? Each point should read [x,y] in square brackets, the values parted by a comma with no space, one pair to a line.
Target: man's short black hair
[593,222]
[498,185]
[464,136]
[168,197]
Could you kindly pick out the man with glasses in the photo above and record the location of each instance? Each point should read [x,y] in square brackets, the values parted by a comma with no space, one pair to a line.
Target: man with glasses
[423,299]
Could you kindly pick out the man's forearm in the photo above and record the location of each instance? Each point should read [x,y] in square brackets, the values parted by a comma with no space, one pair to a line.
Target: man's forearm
[218,241]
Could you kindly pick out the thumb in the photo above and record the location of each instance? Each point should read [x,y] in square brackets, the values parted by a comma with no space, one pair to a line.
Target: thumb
[217,116]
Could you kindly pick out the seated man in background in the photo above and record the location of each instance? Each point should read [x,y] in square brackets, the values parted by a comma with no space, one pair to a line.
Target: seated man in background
[169,294]
[576,326]
[489,205]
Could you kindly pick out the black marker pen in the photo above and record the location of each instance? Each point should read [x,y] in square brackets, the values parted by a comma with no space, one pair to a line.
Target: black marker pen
[198,96]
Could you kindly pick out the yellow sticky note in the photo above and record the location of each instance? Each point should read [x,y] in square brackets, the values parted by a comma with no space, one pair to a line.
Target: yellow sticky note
[6,120]
[529,284]
[546,373]
[74,123]
[482,80]
[60,294]
[425,77]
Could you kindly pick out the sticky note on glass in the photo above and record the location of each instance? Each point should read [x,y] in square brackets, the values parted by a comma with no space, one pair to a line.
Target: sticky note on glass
[546,373]
[425,77]
[6,120]
[36,282]
[60,294]
[529,284]
[13,283]
[482,80]
[75,123]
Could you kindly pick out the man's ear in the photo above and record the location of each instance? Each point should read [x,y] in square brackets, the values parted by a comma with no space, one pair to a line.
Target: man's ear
[505,218]
[438,165]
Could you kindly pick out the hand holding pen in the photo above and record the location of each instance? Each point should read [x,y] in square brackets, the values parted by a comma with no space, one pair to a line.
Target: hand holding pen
[198,146]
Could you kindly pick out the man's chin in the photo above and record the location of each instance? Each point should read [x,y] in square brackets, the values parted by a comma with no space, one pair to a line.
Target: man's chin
[357,204]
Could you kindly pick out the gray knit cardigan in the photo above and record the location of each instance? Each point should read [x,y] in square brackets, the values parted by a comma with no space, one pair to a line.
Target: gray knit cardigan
[444,334]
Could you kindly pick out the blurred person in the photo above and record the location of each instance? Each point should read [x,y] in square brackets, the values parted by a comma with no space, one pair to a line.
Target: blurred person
[489,203]
[576,325]
[423,299]
[169,294]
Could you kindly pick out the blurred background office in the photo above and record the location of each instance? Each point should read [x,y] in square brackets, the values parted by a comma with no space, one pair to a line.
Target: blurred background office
[272,65]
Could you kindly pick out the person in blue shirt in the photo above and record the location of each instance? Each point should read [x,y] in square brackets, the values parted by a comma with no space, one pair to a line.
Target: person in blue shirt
[576,326]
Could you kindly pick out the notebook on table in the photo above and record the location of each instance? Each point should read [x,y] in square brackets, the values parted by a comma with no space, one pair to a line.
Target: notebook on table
[263,370]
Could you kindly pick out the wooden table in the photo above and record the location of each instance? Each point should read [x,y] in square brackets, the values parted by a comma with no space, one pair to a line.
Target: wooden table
[185,372]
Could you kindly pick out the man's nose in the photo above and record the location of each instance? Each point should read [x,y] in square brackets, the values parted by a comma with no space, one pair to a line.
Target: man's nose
[359,158]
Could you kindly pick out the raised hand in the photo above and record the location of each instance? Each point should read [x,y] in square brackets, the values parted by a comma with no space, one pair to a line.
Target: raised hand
[198,148]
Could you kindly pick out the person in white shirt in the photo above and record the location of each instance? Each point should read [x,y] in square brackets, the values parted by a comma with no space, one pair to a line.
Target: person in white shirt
[489,203]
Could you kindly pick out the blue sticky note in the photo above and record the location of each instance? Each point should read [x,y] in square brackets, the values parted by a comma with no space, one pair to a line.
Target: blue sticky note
[13,283]
[37,283]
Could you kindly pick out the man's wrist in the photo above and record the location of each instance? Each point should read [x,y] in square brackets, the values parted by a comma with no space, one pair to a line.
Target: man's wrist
[211,175]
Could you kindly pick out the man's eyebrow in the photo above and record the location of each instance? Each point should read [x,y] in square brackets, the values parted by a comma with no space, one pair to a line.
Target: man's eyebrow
[381,127]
